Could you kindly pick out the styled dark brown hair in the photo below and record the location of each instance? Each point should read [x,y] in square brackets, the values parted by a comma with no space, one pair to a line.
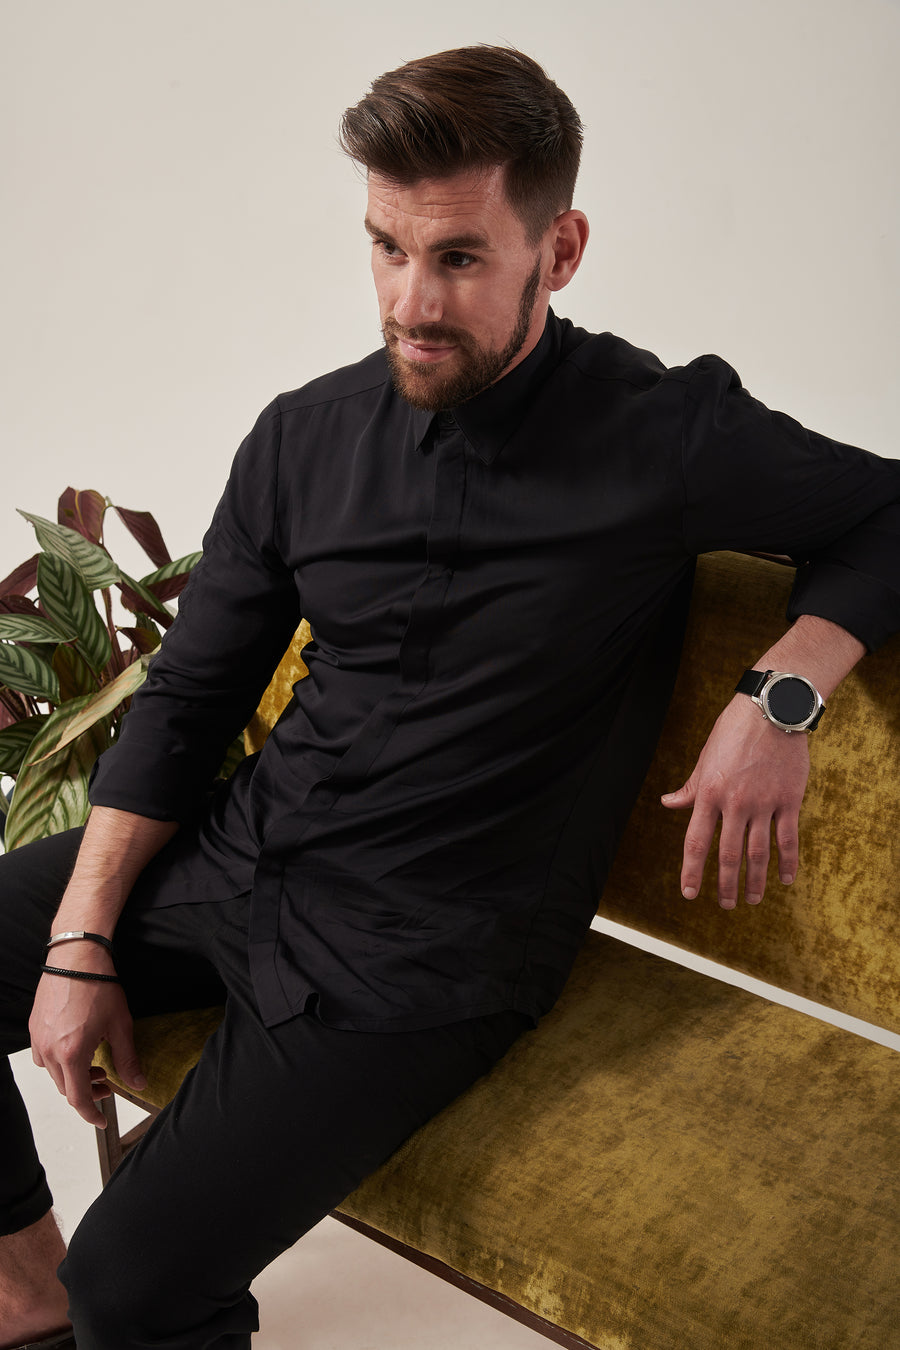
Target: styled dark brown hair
[472,108]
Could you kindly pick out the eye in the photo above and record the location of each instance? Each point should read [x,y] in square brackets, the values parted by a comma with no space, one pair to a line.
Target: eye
[459,261]
[388,251]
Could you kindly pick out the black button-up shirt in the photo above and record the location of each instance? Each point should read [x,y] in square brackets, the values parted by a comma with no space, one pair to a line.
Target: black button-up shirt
[497,597]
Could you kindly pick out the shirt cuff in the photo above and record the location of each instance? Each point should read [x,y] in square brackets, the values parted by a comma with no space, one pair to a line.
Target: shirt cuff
[863,605]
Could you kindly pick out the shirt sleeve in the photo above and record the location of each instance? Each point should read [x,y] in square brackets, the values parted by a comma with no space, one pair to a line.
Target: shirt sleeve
[756,479]
[236,617]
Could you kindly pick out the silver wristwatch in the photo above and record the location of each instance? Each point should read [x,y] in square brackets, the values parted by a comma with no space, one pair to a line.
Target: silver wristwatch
[789,702]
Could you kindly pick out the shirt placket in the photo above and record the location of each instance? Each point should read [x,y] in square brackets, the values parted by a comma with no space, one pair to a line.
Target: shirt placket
[415,667]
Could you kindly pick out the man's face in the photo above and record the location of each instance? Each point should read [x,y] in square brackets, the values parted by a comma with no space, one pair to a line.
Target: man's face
[459,289]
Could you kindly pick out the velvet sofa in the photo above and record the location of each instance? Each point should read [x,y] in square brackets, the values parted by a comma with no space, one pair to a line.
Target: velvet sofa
[670,1162]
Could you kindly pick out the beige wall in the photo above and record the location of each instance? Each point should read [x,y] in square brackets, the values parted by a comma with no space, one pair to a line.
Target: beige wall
[181,237]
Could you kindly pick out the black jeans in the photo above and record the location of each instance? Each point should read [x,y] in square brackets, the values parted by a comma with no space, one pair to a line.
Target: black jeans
[273,1128]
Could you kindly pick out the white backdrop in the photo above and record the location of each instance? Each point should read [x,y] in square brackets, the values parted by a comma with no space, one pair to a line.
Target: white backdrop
[182,238]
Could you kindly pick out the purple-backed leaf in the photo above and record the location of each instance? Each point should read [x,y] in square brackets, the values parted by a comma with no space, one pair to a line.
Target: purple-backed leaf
[167,582]
[22,580]
[142,526]
[18,604]
[139,600]
[13,707]
[82,511]
[144,640]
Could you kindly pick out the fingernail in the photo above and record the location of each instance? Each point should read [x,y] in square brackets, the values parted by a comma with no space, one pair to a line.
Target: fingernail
[753,899]
[787,879]
[690,892]
[139,1082]
[727,904]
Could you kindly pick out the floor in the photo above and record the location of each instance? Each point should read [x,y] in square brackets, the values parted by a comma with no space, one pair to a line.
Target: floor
[334,1291]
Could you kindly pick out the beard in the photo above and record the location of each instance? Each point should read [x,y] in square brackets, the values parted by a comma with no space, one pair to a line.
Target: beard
[427,387]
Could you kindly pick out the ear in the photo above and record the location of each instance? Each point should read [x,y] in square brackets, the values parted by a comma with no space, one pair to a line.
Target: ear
[567,239]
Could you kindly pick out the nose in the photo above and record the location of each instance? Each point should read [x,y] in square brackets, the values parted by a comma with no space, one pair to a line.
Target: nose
[419,300]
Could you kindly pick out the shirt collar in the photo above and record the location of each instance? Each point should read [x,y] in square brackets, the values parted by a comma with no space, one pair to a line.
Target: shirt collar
[490,419]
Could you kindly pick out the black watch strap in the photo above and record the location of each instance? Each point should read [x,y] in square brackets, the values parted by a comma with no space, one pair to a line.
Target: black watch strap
[751,682]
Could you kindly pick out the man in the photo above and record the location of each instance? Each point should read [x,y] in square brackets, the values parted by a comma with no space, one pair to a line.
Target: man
[491,526]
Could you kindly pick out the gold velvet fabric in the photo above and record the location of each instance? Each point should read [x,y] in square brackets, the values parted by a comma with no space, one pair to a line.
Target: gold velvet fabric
[832,935]
[667,1162]
[167,1046]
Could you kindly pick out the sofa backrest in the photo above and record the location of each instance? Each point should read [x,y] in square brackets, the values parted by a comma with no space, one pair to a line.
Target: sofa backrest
[833,935]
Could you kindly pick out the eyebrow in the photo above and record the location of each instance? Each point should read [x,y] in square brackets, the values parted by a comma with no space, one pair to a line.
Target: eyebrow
[452,243]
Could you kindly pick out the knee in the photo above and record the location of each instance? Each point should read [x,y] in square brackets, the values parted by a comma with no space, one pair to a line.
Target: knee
[105,1291]
[126,1287]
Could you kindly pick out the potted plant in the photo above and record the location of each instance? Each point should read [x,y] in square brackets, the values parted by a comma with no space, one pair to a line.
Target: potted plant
[68,667]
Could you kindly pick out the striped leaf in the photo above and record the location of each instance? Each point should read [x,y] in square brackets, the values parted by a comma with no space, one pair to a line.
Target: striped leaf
[73,672]
[25,671]
[32,628]
[169,581]
[139,600]
[52,795]
[66,598]
[16,740]
[93,563]
[83,713]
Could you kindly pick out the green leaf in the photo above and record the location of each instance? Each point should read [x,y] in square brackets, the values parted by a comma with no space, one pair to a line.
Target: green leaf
[82,713]
[16,740]
[66,599]
[52,795]
[167,582]
[25,671]
[137,598]
[28,628]
[74,674]
[180,567]
[93,563]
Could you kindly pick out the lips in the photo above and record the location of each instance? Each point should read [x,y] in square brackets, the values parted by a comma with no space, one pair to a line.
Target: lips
[425,352]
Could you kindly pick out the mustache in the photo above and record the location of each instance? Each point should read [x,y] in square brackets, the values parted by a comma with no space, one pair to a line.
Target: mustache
[429,332]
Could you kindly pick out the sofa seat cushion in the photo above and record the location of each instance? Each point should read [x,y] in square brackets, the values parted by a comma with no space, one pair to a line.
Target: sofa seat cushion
[667,1163]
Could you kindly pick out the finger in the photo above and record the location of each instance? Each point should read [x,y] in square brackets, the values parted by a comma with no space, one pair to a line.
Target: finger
[787,842]
[697,843]
[680,798]
[124,1056]
[79,1093]
[731,855]
[758,850]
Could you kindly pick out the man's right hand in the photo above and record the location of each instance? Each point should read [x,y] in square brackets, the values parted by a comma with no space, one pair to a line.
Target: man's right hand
[69,1020]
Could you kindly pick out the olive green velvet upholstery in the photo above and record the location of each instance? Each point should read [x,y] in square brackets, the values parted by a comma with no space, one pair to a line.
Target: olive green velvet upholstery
[667,1162]
[832,935]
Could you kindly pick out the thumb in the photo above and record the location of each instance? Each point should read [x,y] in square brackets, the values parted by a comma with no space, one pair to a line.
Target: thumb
[125,1059]
[681,797]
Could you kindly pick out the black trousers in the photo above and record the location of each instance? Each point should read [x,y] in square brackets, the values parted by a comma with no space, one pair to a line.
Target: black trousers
[273,1128]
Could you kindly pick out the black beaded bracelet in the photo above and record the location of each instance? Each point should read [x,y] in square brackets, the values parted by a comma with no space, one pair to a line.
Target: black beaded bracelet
[81,975]
[80,936]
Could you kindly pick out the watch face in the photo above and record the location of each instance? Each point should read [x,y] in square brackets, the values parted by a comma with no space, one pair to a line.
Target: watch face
[790,700]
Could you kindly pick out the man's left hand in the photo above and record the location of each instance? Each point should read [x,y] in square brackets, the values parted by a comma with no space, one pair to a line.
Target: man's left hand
[749,775]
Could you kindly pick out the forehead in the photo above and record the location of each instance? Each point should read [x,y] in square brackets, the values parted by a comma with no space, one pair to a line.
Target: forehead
[473,202]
